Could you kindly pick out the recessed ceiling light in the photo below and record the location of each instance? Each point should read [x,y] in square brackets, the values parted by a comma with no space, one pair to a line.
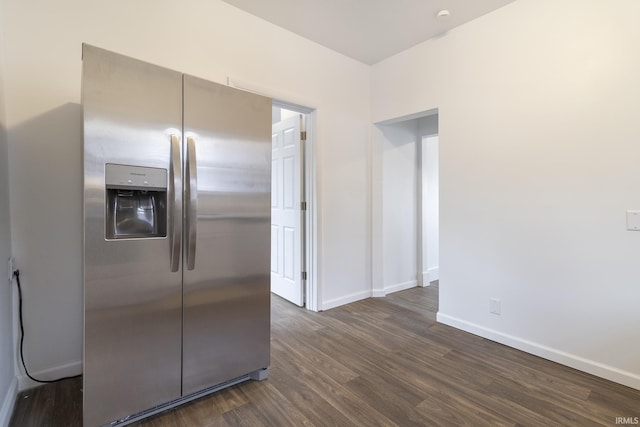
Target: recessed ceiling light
[443,15]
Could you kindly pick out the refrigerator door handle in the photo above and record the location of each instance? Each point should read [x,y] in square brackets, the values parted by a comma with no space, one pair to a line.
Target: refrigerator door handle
[191,195]
[175,202]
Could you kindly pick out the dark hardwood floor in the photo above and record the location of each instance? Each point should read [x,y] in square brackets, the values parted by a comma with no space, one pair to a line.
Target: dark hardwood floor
[378,362]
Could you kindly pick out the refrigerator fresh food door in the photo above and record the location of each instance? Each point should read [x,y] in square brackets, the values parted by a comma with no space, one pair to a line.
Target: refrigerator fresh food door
[227,233]
[132,269]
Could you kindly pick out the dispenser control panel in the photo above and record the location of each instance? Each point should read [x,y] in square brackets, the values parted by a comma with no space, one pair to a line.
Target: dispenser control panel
[135,177]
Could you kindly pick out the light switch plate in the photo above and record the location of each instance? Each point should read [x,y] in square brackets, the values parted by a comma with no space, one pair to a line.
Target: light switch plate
[633,220]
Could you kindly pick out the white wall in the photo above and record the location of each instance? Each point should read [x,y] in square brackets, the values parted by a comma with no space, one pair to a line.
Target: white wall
[7,371]
[209,39]
[538,106]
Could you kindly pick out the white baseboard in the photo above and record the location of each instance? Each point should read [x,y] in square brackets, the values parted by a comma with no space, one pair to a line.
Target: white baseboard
[378,293]
[68,370]
[430,275]
[425,279]
[8,402]
[400,287]
[434,274]
[337,302]
[592,367]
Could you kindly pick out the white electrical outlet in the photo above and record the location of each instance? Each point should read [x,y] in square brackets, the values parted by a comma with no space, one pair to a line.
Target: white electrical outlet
[633,220]
[11,267]
[494,306]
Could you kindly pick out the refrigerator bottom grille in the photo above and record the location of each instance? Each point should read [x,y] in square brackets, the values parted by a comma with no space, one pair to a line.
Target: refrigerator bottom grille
[177,402]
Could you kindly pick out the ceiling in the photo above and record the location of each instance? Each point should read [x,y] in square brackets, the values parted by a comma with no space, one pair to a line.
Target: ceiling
[367,30]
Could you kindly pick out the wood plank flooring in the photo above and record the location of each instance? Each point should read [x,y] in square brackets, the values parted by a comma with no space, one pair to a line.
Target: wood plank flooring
[378,362]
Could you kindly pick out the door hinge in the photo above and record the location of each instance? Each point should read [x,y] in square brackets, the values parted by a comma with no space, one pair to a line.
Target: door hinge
[304,275]
[303,135]
[303,206]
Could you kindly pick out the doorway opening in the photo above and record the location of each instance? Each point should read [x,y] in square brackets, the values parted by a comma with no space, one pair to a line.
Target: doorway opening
[293,205]
[405,199]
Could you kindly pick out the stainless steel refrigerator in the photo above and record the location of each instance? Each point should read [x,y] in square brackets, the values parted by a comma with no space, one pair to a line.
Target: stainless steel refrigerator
[177,184]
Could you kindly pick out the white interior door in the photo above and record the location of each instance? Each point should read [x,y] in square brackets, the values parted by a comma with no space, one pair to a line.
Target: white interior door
[286,213]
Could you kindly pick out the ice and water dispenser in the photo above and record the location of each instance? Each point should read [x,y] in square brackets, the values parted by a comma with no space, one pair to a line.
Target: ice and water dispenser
[136,202]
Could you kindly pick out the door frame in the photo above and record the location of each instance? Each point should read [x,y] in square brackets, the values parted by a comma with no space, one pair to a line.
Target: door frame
[310,195]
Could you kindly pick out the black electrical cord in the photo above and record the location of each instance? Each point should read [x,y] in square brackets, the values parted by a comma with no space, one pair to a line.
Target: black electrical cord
[16,274]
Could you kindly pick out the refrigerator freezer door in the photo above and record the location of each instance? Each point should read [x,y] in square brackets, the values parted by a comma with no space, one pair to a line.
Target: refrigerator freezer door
[226,294]
[133,300]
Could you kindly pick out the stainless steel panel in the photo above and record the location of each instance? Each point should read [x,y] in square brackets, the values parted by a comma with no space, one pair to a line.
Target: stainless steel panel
[133,302]
[226,297]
